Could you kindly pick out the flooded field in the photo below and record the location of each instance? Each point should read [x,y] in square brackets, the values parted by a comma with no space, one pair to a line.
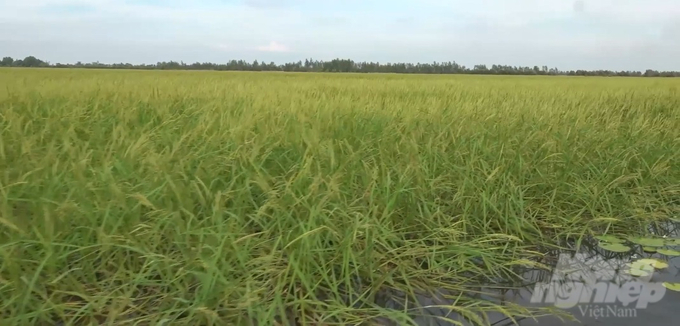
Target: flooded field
[588,286]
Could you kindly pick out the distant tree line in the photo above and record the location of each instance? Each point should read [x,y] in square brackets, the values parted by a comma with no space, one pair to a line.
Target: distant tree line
[343,65]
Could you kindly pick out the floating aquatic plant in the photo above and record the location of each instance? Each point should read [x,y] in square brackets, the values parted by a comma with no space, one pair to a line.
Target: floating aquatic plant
[648,242]
[649,249]
[658,264]
[639,272]
[615,247]
[669,252]
[645,267]
[672,286]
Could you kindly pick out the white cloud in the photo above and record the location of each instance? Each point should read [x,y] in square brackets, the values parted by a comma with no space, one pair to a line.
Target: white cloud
[273,46]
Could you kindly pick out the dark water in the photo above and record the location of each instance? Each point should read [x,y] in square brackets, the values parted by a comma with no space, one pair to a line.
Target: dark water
[590,284]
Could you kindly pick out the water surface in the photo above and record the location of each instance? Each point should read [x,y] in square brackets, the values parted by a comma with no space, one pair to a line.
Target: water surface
[590,283]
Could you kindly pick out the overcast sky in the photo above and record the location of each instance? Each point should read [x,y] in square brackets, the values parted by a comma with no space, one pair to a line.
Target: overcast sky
[568,34]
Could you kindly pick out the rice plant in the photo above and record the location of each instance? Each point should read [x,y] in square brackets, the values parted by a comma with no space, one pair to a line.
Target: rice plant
[207,198]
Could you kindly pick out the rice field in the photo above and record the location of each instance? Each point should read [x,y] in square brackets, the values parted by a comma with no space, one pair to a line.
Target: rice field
[213,198]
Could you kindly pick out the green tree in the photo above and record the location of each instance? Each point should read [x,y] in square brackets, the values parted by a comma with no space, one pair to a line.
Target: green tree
[6,62]
[32,61]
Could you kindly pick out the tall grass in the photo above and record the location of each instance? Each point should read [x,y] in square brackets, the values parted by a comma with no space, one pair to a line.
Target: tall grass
[172,198]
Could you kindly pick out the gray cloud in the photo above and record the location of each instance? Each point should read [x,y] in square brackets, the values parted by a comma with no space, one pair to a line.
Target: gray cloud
[579,6]
[632,34]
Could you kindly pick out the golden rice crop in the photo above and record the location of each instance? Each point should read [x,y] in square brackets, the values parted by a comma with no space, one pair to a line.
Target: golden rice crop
[215,198]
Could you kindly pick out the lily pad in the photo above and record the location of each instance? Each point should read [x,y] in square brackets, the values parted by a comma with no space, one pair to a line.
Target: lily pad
[672,286]
[669,252]
[615,247]
[608,238]
[649,249]
[649,242]
[673,242]
[643,267]
[638,272]
[658,264]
